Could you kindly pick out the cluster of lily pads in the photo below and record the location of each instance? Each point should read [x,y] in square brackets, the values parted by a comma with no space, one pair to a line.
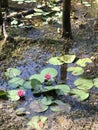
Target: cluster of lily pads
[42,83]
[82,84]
[45,84]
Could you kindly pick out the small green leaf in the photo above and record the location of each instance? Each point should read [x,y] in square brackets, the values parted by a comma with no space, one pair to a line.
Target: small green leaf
[53,72]
[12,72]
[81,95]
[38,77]
[95,82]
[15,82]
[43,119]
[27,85]
[62,89]
[36,84]
[47,100]
[76,70]
[83,84]
[83,62]
[34,122]
[61,107]
[12,95]
[55,61]
[67,58]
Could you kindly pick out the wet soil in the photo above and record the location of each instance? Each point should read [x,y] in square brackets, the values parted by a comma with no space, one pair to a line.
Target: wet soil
[31,55]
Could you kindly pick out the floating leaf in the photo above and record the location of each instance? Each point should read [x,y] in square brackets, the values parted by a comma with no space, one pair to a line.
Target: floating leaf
[37,106]
[34,123]
[60,107]
[62,89]
[36,84]
[55,61]
[12,95]
[76,70]
[95,82]
[47,100]
[37,122]
[81,95]
[45,89]
[67,58]
[12,72]
[53,72]
[83,62]
[38,77]
[84,84]
[27,85]
[15,82]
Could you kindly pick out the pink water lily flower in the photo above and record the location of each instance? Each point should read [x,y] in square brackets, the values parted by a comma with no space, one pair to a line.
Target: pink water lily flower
[21,93]
[48,76]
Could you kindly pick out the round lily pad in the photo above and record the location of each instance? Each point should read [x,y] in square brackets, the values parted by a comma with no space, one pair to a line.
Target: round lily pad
[81,95]
[55,61]
[53,72]
[83,84]
[75,70]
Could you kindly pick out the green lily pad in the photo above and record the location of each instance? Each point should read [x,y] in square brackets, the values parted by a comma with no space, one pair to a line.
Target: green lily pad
[81,95]
[12,72]
[55,61]
[37,122]
[62,89]
[83,84]
[15,82]
[53,72]
[38,77]
[37,106]
[76,70]
[36,84]
[27,85]
[45,89]
[95,82]
[67,58]
[83,62]
[12,95]
[47,100]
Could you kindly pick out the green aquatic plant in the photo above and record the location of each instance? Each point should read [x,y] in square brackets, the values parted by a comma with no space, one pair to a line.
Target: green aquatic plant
[45,82]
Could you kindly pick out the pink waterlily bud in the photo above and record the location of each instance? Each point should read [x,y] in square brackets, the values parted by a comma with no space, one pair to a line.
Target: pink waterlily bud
[48,76]
[21,93]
